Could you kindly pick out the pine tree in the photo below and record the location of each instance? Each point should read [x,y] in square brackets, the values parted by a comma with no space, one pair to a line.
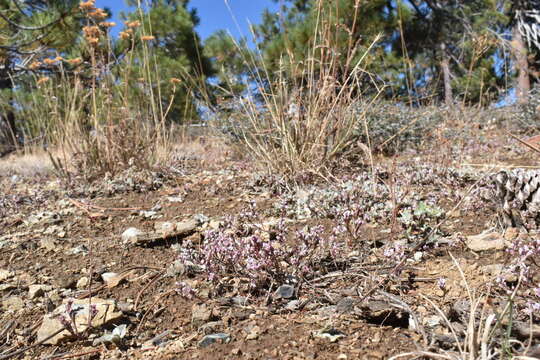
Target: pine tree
[178,52]
[30,31]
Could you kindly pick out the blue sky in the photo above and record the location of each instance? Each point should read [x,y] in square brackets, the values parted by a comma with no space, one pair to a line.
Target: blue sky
[214,14]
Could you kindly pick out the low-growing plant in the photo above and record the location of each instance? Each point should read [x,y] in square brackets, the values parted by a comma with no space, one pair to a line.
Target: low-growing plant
[419,221]
[265,254]
[396,127]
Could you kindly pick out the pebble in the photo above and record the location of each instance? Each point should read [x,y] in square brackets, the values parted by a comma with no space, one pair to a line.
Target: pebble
[214,338]
[13,303]
[284,292]
[82,283]
[35,291]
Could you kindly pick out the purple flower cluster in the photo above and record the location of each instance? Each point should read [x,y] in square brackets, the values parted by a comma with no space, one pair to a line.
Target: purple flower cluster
[185,290]
[264,254]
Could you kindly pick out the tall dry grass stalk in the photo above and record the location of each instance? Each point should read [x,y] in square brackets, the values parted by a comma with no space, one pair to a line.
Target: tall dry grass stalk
[102,115]
[301,120]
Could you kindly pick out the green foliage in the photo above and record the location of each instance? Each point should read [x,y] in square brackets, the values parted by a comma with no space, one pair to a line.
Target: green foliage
[420,221]
[177,52]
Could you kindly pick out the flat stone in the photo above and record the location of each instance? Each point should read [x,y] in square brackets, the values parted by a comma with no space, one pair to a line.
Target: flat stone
[6,274]
[82,283]
[35,291]
[112,279]
[165,227]
[106,314]
[200,314]
[184,227]
[208,340]
[284,292]
[345,305]
[48,244]
[131,235]
[333,335]
[486,241]
[13,303]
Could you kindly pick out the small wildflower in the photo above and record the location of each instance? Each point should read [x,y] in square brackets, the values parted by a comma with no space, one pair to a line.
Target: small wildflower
[98,14]
[93,312]
[185,290]
[147,37]
[75,61]
[34,65]
[124,35]
[43,80]
[107,24]
[87,5]
[441,283]
[50,61]
[133,24]
[91,34]
[175,81]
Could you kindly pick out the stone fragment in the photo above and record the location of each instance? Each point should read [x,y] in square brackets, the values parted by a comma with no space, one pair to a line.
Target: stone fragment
[329,333]
[185,227]
[6,274]
[112,279]
[35,291]
[200,314]
[13,303]
[106,313]
[82,283]
[131,235]
[486,241]
[284,292]
[214,338]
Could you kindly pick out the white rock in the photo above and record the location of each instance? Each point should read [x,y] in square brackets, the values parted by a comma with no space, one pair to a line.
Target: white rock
[131,235]
[82,283]
[5,274]
[106,313]
[35,291]
[13,303]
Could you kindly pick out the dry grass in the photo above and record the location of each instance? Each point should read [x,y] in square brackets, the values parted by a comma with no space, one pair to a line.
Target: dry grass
[32,164]
[306,119]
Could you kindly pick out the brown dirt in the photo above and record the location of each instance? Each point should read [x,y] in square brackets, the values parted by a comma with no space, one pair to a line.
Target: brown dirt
[158,308]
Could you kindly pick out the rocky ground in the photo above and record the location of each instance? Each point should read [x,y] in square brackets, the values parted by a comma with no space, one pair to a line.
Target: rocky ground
[405,260]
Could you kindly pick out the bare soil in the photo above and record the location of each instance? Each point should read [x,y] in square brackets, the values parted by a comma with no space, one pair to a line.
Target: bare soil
[262,327]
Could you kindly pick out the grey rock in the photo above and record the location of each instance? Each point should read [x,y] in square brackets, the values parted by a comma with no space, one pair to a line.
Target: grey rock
[200,314]
[201,219]
[211,327]
[214,338]
[48,244]
[293,305]
[345,305]
[185,227]
[81,249]
[114,337]
[176,268]
[284,292]
[82,283]
[124,306]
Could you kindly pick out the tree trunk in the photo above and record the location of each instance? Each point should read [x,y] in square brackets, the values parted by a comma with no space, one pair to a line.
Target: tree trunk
[522,67]
[448,96]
